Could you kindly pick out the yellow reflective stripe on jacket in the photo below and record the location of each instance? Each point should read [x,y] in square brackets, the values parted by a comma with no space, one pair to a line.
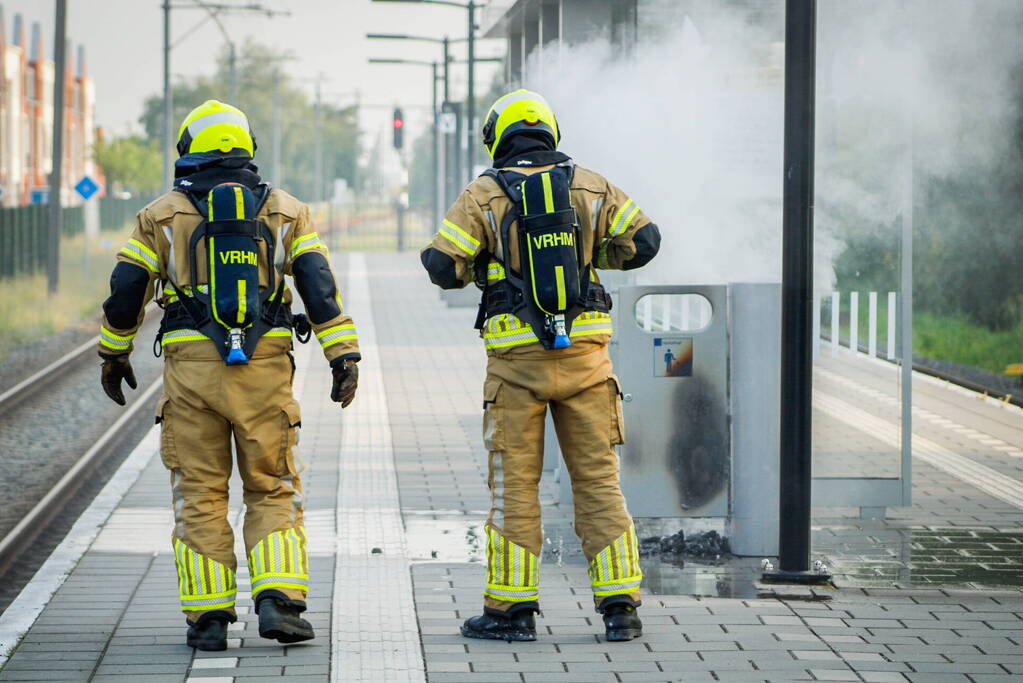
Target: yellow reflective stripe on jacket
[623,218]
[495,272]
[170,296]
[114,342]
[305,243]
[615,570]
[203,583]
[460,238]
[592,322]
[602,261]
[188,335]
[506,330]
[141,252]
[182,336]
[280,561]
[513,573]
[336,334]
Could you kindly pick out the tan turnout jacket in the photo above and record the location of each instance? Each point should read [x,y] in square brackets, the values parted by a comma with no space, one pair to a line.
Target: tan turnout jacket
[160,244]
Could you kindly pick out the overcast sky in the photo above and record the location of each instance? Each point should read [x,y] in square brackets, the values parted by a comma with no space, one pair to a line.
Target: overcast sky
[123,41]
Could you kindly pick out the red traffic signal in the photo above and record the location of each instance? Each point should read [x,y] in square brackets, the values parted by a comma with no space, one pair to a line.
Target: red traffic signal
[398,123]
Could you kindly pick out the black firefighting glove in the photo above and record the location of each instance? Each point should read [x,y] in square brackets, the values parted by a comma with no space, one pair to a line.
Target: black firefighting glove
[116,368]
[346,380]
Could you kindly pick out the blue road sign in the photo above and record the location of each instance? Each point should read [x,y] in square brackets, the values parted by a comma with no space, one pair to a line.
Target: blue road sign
[86,187]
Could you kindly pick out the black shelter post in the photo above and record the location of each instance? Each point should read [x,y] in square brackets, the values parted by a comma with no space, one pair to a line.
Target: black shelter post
[797,297]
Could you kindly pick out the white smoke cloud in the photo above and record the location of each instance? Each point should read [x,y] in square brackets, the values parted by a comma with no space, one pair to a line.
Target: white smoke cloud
[691,123]
[691,129]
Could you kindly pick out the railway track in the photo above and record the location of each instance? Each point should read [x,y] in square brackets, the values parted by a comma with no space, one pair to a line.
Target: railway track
[61,439]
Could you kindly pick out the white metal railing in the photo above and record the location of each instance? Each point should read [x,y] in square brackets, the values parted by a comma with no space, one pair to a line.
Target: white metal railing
[852,345]
[673,312]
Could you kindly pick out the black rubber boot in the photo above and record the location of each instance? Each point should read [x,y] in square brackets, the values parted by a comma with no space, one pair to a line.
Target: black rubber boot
[518,624]
[621,620]
[279,618]
[209,631]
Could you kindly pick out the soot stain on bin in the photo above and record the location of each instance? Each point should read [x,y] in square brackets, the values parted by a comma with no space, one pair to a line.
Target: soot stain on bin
[698,448]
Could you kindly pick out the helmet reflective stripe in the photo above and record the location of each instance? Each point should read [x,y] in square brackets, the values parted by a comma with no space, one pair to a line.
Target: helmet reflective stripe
[215,127]
[203,122]
[517,96]
[517,111]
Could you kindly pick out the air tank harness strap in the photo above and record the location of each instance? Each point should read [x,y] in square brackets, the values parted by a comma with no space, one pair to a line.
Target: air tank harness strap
[502,297]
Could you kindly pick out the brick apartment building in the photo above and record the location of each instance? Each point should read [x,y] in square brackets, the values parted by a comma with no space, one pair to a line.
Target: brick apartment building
[26,116]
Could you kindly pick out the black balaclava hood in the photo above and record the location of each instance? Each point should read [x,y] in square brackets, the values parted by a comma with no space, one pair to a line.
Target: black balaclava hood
[527,148]
[200,172]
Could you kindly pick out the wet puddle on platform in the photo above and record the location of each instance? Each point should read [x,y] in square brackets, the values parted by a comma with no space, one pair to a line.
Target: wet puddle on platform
[881,556]
[927,558]
[451,536]
[444,537]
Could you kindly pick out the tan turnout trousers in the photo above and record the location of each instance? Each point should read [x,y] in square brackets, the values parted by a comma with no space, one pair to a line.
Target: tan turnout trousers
[207,406]
[585,402]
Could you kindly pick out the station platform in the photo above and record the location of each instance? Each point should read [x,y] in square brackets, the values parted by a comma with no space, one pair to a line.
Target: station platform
[396,499]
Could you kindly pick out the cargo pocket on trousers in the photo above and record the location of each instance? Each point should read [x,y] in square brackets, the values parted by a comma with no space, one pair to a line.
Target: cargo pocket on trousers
[168,454]
[289,461]
[493,430]
[617,415]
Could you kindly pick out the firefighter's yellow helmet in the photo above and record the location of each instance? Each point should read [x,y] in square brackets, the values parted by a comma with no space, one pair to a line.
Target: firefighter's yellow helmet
[522,110]
[215,127]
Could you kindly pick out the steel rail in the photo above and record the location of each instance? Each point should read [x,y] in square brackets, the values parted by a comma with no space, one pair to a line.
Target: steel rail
[33,523]
[44,377]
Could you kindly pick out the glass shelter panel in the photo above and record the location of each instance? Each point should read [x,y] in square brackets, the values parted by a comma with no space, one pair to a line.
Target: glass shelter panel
[862,279]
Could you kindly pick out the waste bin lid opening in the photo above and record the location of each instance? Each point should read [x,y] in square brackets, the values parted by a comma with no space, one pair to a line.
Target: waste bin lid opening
[673,312]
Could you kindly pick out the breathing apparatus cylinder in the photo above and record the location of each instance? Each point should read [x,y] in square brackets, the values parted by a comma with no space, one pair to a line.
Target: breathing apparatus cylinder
[550,244]
[233,256]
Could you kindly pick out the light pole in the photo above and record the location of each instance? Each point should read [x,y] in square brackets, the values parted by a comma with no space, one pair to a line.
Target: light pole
[470,112]
[213,9]
[436,166]
[56,211]
[797,298]
[168,103]
[470,108]
[445,42]
[435,142]
[318,143]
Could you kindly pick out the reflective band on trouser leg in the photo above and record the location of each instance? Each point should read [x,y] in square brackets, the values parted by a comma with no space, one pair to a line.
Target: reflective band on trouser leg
[280,561]
[615,570]
[513,573]
[203,583]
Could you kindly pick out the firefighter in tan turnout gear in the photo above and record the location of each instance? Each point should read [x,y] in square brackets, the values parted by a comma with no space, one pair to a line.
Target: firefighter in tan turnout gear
[531,232]
[215,250]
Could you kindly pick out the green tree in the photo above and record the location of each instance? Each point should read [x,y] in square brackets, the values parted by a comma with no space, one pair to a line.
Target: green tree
[130,163]
[256,64]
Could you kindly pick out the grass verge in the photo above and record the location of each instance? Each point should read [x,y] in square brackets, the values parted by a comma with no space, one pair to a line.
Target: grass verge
[956,339]
[28,312]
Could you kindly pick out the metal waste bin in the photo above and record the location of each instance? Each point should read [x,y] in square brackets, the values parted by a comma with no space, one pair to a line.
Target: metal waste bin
[676,457]
[701,409]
